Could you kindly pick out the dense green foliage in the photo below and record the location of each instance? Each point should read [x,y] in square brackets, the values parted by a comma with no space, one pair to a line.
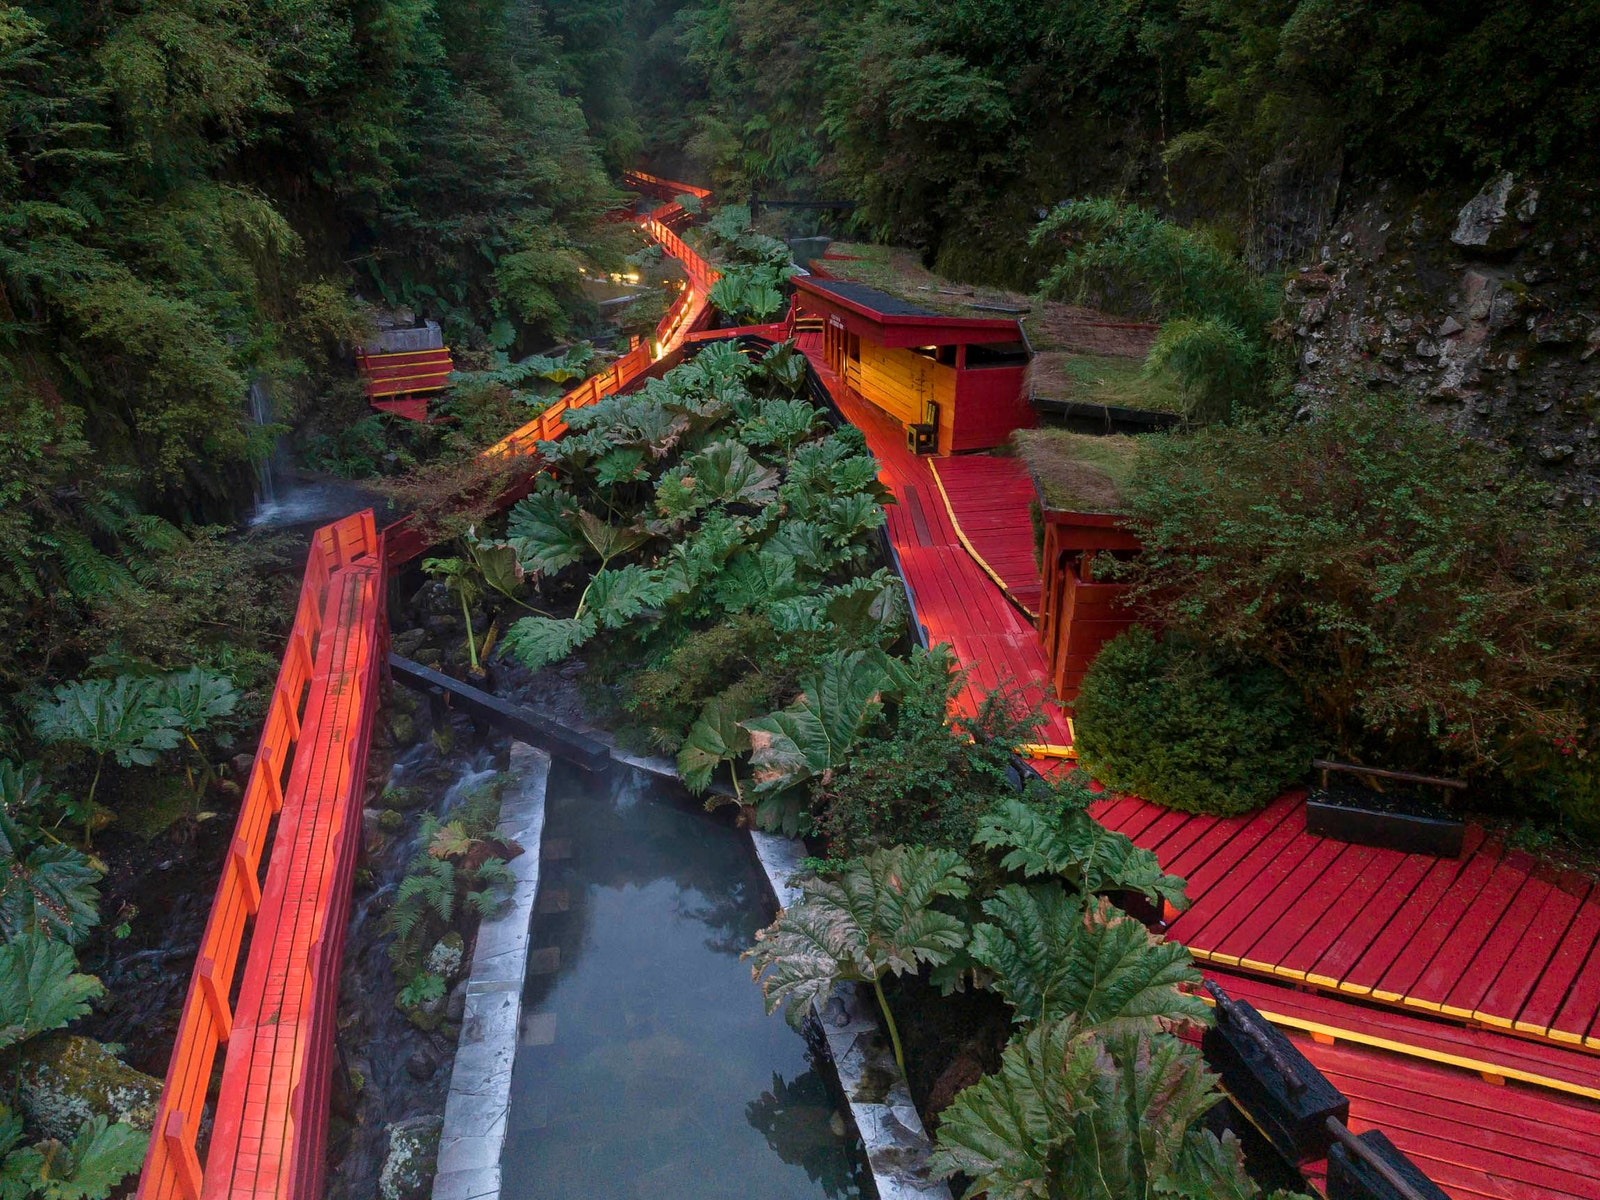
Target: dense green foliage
[195,194]
[1216,310]
[709,537]
[954,121]
[1162,720]
[1427,604]
[48,904]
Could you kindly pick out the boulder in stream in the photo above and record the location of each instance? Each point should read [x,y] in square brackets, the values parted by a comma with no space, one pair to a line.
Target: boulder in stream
[408,1166]
[64,1079]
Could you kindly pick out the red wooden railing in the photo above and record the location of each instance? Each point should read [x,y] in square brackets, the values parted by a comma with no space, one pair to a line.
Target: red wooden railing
[343,585]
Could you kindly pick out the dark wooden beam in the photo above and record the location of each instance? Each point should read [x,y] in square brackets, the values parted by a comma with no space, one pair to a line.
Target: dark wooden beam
[522,723]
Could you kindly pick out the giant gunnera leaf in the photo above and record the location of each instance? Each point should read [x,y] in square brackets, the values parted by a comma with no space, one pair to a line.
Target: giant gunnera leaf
[40,988]
[1055,955]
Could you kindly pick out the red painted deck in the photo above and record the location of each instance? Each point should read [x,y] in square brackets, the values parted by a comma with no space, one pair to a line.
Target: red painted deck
[988,499]
[1476,1140]
[956,601]
[1486,939]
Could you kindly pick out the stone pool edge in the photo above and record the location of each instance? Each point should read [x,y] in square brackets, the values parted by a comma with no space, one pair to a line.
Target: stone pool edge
[891,1129]
[474,1132]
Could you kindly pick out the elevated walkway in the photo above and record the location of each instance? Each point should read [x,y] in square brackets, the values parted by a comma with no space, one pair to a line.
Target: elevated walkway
[309,773]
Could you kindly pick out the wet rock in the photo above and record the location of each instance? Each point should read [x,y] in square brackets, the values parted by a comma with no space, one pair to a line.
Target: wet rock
[446,957]
[426,1016]
[408,1166]
[63,1080]
[1496,218]
[241,764]
[408,641]
[371,833]
[404,799]
[421,1065]
[964,1070]
[455,1007]
[402,728]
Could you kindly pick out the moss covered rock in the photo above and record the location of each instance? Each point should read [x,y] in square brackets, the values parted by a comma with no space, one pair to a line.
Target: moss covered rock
[408,1166]
[64,1079]
[390,821]
[446,957]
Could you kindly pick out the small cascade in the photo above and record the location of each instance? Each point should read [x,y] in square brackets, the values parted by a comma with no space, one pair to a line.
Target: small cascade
[266,470]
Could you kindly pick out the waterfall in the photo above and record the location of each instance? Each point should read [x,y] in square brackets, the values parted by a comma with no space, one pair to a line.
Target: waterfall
[266,483]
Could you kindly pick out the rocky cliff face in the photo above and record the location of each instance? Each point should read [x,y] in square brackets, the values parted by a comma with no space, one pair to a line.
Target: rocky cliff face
[1487,308]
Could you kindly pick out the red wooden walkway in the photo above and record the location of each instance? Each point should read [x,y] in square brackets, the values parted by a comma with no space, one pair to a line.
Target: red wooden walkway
[986,496]
[956,601]
[1487,939]
[266,1137]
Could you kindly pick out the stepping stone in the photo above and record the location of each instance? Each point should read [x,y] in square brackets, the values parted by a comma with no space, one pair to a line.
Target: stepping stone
[554,900]
[546,960]
[538,1029]
[555,849]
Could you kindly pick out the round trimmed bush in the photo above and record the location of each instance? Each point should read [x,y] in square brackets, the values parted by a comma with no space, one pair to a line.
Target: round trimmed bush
[1164,721]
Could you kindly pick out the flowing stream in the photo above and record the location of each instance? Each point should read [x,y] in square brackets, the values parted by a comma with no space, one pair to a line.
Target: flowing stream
[405,1072]
[646,1066]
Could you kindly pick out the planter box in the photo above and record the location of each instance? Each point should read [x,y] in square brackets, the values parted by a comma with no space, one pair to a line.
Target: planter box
[1367,818]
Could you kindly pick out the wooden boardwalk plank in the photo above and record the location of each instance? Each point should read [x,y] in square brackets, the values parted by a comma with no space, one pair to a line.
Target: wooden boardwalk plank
[956,600]
[1539,1011]
[1451,913]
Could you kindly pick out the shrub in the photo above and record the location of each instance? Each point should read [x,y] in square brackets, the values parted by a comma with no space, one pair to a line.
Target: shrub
[1215,308]
[1159,719]
[923,777]
[1429,606]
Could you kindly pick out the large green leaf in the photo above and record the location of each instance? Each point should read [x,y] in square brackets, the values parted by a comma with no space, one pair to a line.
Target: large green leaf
[725,472]
[198,697]
[874,917]
[1077,848]
[100,1157]
[608,541]
[1003,1130]
[539,641]
[46,888]
[499,564]
[543,528]
[40,988]
[618,595]
[715,738]
[1054,955]
[124,717]
[815,734]
[753,580]
[1079,1115]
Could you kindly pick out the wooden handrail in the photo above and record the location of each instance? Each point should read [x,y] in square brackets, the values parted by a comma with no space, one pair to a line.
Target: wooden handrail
[1325,765]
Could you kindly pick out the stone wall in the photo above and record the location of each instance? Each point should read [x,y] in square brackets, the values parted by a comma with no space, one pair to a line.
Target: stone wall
[1483,307]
